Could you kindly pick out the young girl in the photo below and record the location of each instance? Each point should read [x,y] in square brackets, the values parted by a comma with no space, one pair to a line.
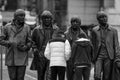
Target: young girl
[82,57]
[58,52]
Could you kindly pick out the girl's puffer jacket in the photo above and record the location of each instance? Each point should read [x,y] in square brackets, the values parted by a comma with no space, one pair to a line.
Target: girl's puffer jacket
[58,52]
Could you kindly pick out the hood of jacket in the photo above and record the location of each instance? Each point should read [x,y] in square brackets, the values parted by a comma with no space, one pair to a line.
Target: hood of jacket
[82,42]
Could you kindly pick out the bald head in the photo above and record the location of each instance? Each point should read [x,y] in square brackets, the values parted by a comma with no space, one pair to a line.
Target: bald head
[19,12]
[101,14]
[19,16]
[102,18]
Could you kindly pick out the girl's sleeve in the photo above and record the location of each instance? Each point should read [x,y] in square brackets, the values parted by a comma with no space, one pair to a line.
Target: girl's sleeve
[67,50]
[47,51]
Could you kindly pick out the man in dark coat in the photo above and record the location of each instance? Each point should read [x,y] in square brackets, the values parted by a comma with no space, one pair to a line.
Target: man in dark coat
[40,36]
[106,46]
[16,38]
[71,35]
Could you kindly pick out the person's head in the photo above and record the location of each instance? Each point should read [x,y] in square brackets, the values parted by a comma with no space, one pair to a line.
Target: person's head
[75,22]
[102,18]
[19,16]
[46,18]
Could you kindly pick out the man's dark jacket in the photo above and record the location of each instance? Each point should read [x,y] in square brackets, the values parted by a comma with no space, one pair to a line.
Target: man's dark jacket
[111,41]
[38,38]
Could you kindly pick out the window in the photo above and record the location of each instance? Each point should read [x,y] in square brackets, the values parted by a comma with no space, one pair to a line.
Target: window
[109,3]
[11,5]
[60,11]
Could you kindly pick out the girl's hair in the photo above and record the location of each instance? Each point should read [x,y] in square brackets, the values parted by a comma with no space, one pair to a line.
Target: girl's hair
[59,34]
[81,35]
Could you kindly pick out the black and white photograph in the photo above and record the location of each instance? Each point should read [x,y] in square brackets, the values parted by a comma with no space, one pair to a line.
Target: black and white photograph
[59,39]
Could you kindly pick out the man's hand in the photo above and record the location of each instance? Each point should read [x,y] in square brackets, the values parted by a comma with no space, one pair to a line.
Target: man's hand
[35,50]
[118,64]
[38,53]
[11,44]
[22,47]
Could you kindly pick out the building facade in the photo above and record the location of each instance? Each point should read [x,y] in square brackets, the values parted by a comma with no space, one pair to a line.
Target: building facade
[63,10]
[86,9]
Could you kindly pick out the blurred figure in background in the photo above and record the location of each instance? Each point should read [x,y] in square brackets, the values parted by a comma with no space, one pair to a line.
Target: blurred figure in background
[31,21]
[3,49]
[16,38]
[3,5]
[40,36]
[1,22]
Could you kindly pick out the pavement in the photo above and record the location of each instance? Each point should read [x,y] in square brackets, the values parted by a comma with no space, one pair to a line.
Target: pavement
[30,75]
